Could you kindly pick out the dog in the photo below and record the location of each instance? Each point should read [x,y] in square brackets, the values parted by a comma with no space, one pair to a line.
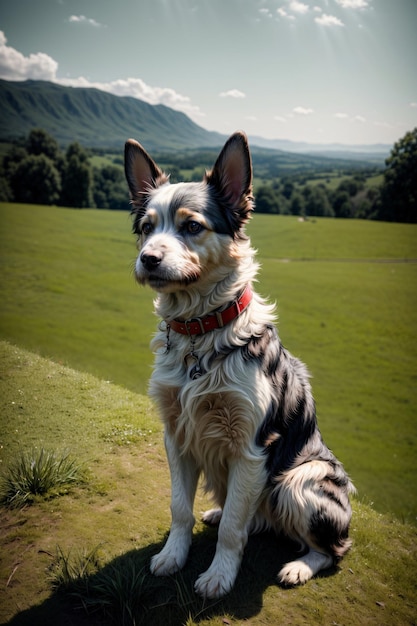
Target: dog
[237,407]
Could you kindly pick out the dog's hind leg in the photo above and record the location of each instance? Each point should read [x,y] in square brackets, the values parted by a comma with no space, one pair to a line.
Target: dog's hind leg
[311,505]
[301,570]
[184,478]
[212,517]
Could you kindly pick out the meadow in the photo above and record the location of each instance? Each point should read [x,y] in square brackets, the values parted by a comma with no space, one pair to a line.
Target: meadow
[347,305]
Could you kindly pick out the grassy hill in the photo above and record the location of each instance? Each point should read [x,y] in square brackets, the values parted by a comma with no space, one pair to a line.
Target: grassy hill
[119,517]
[346,301]
[95,118]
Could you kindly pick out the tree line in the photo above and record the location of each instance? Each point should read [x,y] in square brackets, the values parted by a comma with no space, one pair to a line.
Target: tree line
[35,170]
[350,199]
[395,200]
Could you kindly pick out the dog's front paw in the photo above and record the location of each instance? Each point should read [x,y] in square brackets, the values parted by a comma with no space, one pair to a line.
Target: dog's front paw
[213,585]
[168,562]
[220,576]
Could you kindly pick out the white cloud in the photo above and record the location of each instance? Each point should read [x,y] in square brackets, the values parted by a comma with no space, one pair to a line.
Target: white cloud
[15,66]
[328,20]
[283,13]
[232,93]
[303,111]
[137,88]
[353,4]
[356,118]
[281,119]
[298,7]
[318,9]
[82,19]
[413,105]
[383,125]
[265,12]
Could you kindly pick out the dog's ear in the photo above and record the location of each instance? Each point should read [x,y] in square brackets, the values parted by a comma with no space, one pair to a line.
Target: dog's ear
[142,174]
[231,177]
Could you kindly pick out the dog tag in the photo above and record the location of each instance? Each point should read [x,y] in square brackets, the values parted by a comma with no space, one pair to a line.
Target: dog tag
[196,371]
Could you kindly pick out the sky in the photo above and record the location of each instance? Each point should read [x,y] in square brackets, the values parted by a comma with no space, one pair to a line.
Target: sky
[320,71]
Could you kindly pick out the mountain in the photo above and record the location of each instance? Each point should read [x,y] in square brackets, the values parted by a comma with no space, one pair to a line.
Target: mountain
[94,118]
[336,150]
[97,119]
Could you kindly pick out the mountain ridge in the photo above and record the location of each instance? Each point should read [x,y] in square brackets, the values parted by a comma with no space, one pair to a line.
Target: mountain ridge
[95,118]
[98,119]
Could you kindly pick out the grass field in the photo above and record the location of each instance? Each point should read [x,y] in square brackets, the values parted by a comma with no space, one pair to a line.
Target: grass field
[121,515]
[346,293]
[347,306]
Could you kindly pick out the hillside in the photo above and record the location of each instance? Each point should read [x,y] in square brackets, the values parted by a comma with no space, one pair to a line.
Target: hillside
[344,304]
[121,516]
[95,118]
[101,120]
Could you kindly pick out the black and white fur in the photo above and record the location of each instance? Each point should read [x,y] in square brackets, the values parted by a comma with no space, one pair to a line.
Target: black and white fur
[249,422]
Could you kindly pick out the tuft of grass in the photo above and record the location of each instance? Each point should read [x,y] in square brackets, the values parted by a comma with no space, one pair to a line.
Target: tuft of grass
[38,473]
[71,567]
[119,593]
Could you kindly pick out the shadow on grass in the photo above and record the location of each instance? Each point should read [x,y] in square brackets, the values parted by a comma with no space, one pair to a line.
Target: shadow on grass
[123,591]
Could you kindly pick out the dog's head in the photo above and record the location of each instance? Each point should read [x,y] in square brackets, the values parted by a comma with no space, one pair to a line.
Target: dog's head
[189,233]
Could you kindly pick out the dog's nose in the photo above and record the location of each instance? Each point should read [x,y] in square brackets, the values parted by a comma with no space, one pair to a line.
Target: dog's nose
[151,261]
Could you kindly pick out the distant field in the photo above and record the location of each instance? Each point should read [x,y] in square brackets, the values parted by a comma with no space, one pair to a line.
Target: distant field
[333,179]
[104,160]
[347,303]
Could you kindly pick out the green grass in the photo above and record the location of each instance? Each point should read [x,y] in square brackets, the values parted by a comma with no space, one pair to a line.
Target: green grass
[67,292]
[284,237]
[374,181]
[38,472]
[84,556]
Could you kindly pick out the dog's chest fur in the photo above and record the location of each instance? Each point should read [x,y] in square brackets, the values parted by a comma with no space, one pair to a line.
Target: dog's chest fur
[214,417]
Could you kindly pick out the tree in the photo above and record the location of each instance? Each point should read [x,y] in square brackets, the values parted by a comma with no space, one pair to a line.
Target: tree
[12,158]
[351,185]
[288,188]
[266,200]
[342,206]
[317,201]
[36,180]
[297,206]
[77,179]
[399,190]
[110,188]
[39,142]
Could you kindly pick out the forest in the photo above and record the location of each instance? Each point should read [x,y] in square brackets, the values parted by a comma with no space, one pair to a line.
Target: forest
[35,170]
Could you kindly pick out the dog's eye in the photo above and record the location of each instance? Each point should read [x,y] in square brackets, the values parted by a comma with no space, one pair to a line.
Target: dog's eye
[146,228]
[194,228]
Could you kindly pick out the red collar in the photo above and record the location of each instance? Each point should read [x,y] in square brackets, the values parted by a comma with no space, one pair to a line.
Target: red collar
[202,325]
